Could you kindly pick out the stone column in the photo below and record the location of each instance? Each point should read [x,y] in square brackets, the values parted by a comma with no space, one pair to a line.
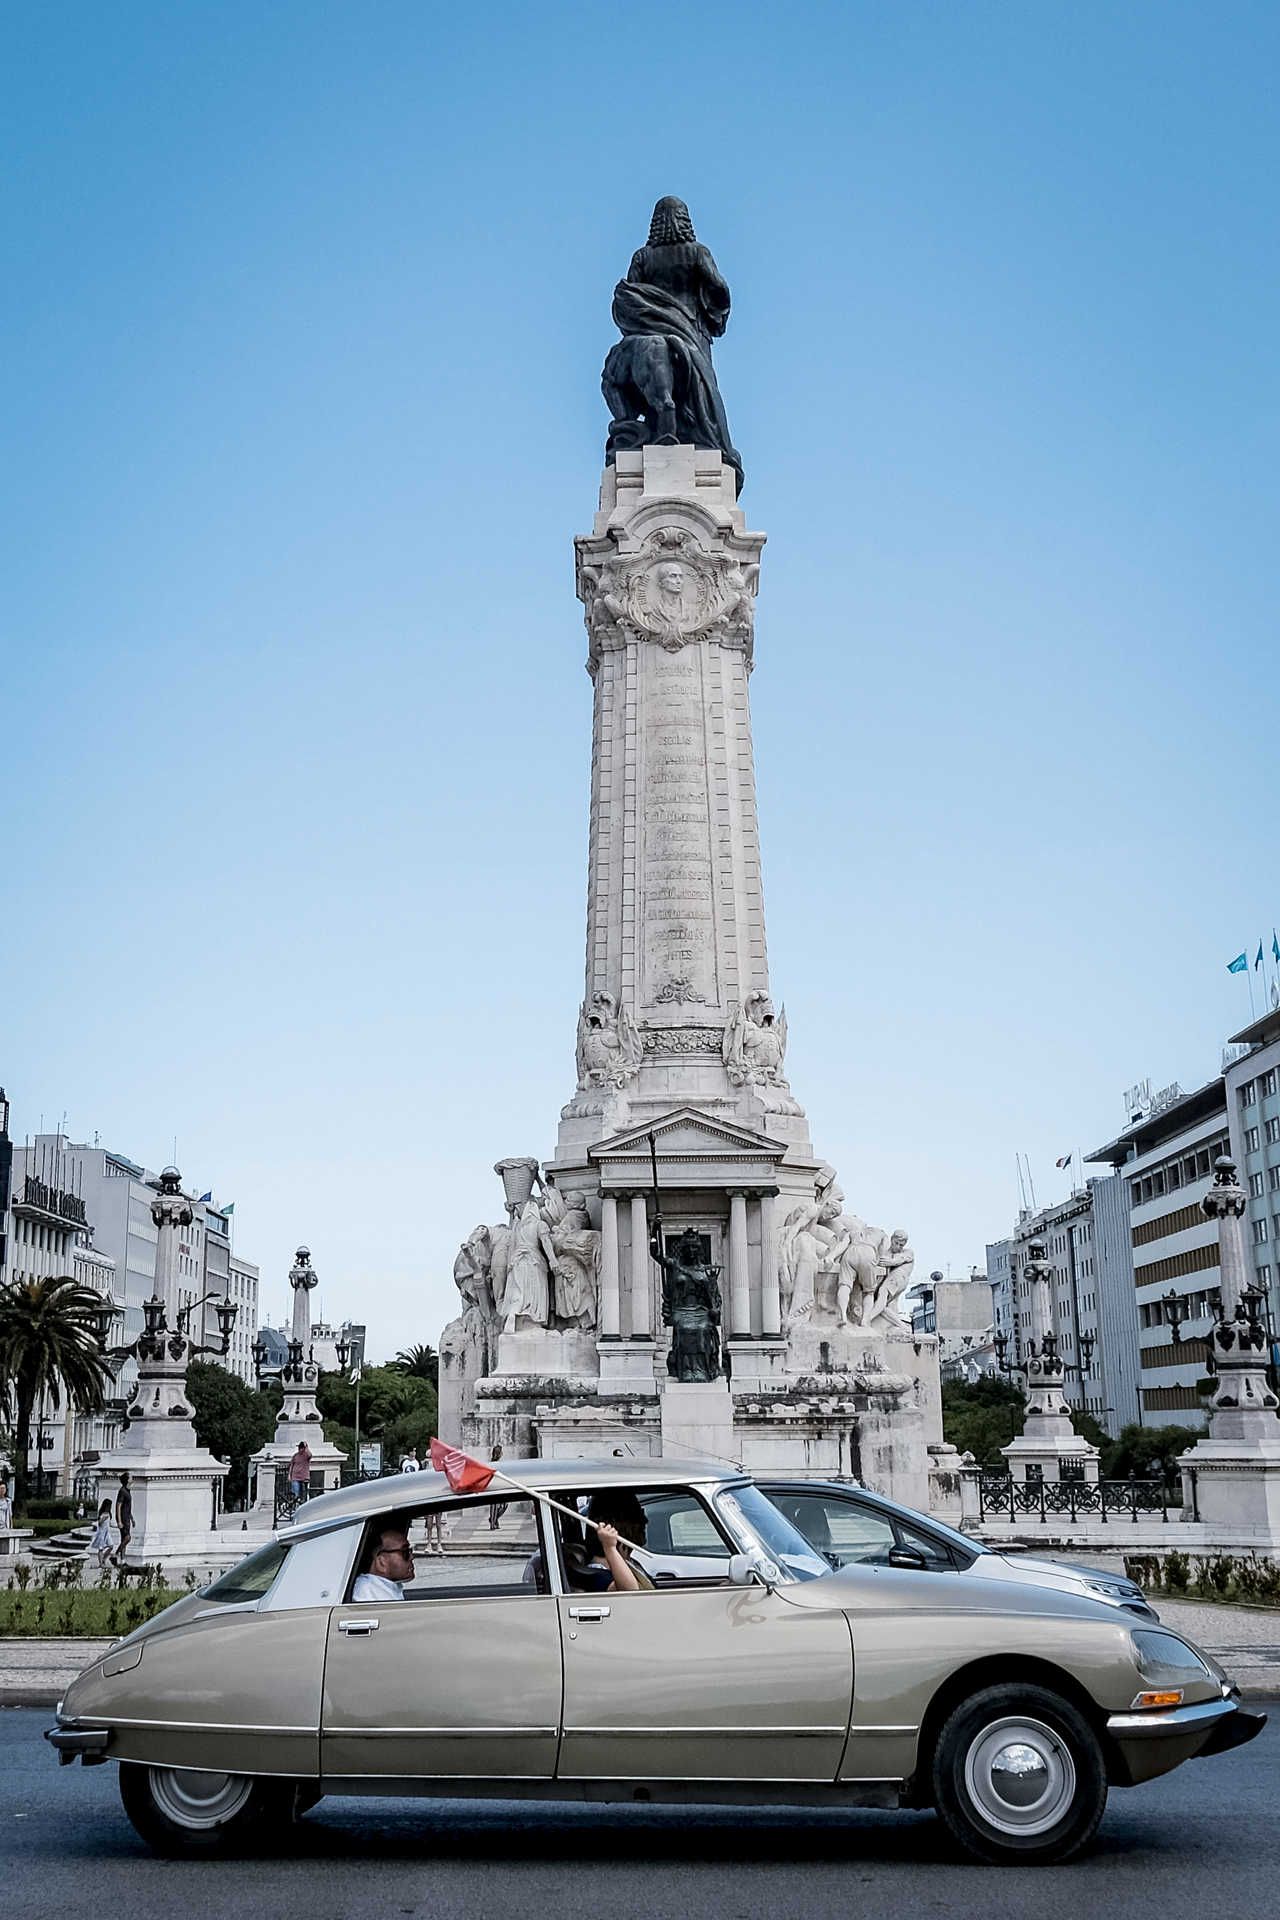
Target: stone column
[172,1213]
[641,1292]
[610,1302]
[739,1272]
[770,1294]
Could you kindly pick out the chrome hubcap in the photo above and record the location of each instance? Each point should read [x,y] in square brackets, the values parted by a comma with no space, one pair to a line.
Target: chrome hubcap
[198,1800]
[1020,1775]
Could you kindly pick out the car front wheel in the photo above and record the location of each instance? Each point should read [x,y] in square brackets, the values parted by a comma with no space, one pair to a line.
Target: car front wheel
[1019,1776]
[180,1811]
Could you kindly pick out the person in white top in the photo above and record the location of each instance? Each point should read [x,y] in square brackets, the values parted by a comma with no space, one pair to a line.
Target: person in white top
[410,1463]
[390,1565]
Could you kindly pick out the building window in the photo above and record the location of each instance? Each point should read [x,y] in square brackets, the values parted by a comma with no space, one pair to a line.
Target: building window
[1273,1179]
[1259,1233]
[1273,1131]
[1264,1274]
[1249,1093]
[1255,1185]
[1251,1139]
[1269,1081]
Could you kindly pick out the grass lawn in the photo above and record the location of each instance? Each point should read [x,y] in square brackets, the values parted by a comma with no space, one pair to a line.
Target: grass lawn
[95,1613]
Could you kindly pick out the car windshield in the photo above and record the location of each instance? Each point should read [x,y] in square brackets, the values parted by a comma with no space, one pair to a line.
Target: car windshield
[747,1510]
[251,1579]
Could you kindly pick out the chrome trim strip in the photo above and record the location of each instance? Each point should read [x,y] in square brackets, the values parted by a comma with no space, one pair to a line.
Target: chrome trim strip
[202,1726]
[1157,1720]
[856,1730]
[437,1733]
[696,1733]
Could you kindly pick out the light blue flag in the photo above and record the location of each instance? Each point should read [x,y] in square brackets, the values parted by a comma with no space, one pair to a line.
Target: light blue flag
[1258,960]
[1275,946]
[1240,964]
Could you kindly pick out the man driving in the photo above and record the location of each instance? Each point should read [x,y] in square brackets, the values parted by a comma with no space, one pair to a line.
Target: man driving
[390,1566]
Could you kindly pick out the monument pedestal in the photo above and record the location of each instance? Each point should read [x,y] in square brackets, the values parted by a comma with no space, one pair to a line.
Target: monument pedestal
[697,1422]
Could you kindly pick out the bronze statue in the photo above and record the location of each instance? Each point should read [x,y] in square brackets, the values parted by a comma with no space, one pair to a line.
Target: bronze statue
[690,1306]
[658,381]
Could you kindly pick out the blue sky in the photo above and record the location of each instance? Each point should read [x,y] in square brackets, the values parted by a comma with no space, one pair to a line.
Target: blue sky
[302,334]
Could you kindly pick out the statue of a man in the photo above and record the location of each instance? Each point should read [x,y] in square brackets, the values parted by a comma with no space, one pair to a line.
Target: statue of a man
[691,1306]
[658,381]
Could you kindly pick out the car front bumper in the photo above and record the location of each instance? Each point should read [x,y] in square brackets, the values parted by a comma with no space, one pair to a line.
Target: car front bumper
[1150,1743]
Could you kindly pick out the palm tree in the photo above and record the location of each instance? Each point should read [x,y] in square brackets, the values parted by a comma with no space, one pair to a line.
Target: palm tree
[420,1363]
[48,1344]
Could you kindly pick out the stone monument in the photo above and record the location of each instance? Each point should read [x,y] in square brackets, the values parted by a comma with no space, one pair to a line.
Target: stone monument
[1048,1448]
[569,1341]
[1231,1479]
[299,1417]
[175,1482]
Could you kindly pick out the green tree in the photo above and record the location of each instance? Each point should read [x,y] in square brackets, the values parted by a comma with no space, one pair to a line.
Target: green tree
[48,1347]
[981,1416]
[231,1420]
[1136,1449]
[420,1362]
[396,1408]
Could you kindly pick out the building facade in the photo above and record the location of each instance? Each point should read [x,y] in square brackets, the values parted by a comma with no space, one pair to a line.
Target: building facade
[1169,1255]
[1252,1080]
[1066,1231]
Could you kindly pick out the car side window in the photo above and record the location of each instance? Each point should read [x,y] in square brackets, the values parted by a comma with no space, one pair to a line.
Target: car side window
[469,1550]
[846,1534]
[937,1557]
[678,1523]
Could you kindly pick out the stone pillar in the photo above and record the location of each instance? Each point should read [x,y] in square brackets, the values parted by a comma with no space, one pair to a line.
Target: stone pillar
[770,1294]
[641,1264]
[610,1301]
[172,1213]
[1048,1441]
[739,1272]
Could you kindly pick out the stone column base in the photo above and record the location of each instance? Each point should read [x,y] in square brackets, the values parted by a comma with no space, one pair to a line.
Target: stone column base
[697,1421]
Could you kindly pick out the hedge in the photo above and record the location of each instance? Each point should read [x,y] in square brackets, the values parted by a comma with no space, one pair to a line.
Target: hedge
[95,1613]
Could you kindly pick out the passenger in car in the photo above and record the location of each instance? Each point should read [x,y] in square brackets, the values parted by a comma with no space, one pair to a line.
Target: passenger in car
[390,1566]
[602,1564]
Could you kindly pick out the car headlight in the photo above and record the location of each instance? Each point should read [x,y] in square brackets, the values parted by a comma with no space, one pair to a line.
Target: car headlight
[1107,1590]
[1167,1664]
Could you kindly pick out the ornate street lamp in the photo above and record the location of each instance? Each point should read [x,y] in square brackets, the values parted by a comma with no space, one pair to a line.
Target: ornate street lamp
[1175,1312]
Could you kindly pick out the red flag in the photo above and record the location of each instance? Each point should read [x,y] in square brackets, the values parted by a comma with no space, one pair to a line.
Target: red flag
[464,1474]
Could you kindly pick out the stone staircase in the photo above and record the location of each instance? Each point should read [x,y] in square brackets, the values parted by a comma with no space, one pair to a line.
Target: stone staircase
[470,1532]
[72,1545]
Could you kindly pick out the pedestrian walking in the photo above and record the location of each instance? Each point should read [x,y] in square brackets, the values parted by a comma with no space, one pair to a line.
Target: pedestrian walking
[499,1507]
[300,1470]
[105,1537]
[411,1462]
[124,1516]
[6,1506]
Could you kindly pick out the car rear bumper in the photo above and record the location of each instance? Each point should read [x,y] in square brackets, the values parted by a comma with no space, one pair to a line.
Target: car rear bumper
[89,1744]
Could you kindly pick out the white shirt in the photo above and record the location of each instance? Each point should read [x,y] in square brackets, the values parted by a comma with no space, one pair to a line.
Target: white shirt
[411,1466]
[373,1586]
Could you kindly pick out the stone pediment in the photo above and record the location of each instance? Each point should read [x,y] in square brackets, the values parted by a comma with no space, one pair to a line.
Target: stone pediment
[693,1150]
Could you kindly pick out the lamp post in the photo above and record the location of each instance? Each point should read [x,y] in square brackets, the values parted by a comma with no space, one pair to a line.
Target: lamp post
[344,1349]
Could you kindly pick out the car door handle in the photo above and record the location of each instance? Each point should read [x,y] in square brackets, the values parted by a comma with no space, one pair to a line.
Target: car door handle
[357,1626]
[588,1613]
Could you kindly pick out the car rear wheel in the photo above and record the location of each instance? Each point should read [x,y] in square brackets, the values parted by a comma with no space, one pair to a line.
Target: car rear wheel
[1019,1776]
[182,1811]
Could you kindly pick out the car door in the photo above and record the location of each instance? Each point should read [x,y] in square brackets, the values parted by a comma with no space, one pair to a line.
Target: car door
[704,1683]
[462,1677]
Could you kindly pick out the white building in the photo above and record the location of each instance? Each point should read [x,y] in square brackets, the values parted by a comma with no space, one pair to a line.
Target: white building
[75,1208]
[1252,1079]
[1165,1160]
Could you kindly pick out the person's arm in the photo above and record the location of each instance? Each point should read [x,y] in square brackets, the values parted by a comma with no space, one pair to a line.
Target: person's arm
[624,1581]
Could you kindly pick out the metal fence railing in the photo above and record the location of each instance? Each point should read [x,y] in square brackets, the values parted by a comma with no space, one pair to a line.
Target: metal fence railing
[1000,1496]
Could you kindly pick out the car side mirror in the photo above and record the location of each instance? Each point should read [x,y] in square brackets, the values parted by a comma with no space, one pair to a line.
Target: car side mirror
[745,1569]
[907,1557]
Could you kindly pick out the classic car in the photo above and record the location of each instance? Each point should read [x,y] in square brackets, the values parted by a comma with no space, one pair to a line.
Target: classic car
[774,1680]
[851,1526]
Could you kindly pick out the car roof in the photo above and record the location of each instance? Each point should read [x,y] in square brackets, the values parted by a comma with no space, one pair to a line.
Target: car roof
[396,1491]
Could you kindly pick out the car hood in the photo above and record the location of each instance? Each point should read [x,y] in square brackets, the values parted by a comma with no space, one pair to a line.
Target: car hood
[870,1589]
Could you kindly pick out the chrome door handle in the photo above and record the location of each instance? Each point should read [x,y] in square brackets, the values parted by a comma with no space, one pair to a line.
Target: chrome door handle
[357,1625]
[588,1613]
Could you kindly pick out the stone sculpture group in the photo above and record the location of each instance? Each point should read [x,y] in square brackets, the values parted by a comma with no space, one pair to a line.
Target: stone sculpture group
[541,1268]
[832,1265]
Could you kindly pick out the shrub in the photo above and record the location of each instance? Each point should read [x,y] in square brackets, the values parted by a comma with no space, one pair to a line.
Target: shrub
[1177,1572]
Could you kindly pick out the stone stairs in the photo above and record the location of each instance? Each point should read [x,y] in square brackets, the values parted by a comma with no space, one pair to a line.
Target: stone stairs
[72,1545]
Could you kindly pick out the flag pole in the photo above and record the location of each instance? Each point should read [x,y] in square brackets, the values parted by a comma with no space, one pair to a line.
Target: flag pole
[535,1493]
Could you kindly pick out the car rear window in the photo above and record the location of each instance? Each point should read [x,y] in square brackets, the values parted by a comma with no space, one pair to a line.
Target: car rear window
[251,1579]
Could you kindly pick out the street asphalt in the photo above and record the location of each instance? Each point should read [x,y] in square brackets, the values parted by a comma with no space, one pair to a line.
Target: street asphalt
[1204,1839]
